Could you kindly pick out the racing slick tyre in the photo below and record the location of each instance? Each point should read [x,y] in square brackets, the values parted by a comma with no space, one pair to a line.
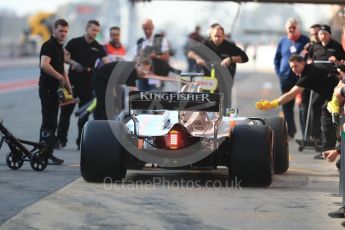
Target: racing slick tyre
[280,146]
[101,155]
[250,160]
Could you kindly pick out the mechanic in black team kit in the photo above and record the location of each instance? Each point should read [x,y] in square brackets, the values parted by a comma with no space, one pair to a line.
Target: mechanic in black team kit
[52,76]
[315,78]
[227,51]
[81,53]
[127,75]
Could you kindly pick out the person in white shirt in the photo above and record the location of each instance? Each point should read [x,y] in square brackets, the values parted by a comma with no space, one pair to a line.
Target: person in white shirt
[156,47]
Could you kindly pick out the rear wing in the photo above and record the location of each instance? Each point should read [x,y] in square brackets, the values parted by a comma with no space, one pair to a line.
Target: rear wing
[183,101]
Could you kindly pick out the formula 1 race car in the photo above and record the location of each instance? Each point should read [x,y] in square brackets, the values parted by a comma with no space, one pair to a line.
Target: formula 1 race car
[185,129]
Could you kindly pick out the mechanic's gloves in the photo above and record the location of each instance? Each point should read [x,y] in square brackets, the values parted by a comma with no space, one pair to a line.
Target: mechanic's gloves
[76,66]
[266,105]
[63,95]
[334,105]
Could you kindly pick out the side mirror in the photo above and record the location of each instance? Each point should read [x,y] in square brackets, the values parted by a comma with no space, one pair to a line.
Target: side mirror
[1,120]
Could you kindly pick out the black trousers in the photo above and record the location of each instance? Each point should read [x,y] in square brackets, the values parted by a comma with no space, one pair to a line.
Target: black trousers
[117,100]
[100,89]
[85,95]
[303,112]
[50,109]
[288,108]
[316,105]
[328,130]
[314,127]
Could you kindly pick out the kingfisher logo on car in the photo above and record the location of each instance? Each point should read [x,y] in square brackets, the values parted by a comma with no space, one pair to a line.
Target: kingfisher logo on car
[150,96]
[144,100]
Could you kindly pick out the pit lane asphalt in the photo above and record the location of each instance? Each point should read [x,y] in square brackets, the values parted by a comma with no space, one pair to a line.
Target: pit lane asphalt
[20,111]
[48,200]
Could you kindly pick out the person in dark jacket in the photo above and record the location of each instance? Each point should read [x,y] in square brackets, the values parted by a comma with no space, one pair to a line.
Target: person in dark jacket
[110,77]
[52,76]
[228,53]
[81,53]
[312,77]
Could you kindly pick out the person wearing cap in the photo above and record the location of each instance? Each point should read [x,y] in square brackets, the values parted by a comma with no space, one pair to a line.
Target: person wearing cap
[293,43]
[302,100]
[327,49]
[310,76]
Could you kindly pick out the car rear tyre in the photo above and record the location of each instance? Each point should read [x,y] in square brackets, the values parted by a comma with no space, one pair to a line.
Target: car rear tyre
[136,165]
[102,158]
[280,147]
[250,161]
